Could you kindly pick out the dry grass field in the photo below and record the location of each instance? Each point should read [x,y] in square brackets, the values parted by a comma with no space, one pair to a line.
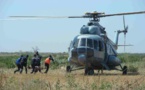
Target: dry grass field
[58,79]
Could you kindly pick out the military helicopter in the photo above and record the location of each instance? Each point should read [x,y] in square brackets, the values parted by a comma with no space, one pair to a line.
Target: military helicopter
[92,49]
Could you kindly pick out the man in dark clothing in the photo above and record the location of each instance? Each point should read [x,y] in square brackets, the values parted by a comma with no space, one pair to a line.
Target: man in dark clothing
[24,63]
[18,63]
[47,63]
[37,65]
[33,61]
[38,62]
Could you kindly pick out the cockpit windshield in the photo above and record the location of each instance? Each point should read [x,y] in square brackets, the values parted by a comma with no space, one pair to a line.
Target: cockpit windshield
[90,43]
[83,42]
[86,42]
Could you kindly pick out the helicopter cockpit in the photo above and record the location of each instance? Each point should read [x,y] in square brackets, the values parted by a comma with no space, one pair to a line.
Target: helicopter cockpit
[87,41]
[85,45]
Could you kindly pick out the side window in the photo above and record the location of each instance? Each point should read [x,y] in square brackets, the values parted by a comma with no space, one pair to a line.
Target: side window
[101,46]
[95,44]
[108,49]
[90,43]
[83,42]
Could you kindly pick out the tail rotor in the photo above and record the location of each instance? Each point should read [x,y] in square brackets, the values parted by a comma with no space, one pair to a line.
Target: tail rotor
[124,31]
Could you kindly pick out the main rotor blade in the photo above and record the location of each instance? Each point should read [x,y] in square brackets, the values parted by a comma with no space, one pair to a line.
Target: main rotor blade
[39,17]
[44,17]
[79,17]
[118,14]
[107,15]
[84,16]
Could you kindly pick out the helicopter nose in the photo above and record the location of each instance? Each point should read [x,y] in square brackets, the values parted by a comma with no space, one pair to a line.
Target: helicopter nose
[82,59]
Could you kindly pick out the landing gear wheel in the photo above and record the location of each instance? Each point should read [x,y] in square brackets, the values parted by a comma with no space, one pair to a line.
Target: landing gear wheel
[68,69]
[124,70]
[89,71]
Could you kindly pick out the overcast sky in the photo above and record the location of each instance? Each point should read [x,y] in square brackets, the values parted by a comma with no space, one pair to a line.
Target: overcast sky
[54,35]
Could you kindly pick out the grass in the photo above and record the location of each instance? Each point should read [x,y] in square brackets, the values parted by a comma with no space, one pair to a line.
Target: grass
[58,79]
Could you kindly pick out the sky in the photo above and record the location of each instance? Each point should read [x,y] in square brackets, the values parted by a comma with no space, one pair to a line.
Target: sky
[55,35]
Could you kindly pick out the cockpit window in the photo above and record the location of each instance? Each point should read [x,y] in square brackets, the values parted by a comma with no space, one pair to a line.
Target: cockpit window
[90,43]
[101,46]
[83,42]
[95,44]
[76,43]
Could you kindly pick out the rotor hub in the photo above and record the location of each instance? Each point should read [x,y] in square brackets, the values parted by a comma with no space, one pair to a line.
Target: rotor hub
[95,15]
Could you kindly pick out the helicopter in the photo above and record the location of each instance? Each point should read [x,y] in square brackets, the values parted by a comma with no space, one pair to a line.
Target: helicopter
[93,49]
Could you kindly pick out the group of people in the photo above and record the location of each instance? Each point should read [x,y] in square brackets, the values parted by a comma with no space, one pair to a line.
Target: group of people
[35,63]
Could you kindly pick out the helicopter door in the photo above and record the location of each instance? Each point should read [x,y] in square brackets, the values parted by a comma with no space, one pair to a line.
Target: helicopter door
[99,49]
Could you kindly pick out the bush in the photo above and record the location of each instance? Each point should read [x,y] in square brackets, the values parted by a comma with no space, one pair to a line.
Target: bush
[132,68]
[7,61]
[131,58]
